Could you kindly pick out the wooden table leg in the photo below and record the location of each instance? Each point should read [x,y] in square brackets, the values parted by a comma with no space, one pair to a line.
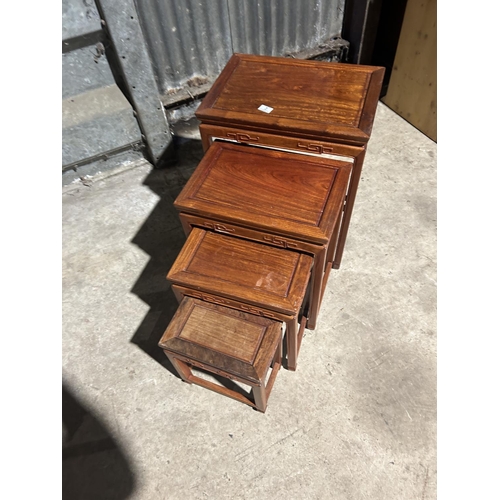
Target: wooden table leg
[182,369]
[349,204]
[206,139]
[317,279]
[333,243]
[260,397]
[185,226]
[291,344]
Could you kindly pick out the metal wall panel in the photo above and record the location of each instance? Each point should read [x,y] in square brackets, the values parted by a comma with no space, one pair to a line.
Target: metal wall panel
[190,41]
[277,27]
[97,120]
[186,39]
[79,17]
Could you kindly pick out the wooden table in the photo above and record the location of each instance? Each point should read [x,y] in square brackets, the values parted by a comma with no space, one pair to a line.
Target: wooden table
[227,343]
[312,107]
[282,199]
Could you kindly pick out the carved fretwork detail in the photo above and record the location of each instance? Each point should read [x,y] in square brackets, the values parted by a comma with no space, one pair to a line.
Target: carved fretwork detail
[241,137]
[220,228]
[236,305]
[316,148]
[256,311]
[209,298]
[280,242]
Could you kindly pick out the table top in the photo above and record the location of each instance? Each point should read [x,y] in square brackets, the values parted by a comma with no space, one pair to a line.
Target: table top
[253,273]
[279,192]
[321,99]
[226,339]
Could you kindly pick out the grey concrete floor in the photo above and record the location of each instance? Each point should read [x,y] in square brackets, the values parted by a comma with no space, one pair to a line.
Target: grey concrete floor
[357,420]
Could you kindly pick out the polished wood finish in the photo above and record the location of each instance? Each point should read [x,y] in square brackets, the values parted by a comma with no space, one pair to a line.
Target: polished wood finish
[293,332]
[235,345]
[244,275]
[316,106]
[313,98]
[251,272]
[284,199]
[297,196]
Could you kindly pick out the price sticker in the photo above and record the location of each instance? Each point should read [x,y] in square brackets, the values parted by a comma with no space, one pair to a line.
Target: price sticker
[264,108]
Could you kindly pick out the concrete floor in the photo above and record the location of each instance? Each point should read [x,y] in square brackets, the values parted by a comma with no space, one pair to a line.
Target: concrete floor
[357,420]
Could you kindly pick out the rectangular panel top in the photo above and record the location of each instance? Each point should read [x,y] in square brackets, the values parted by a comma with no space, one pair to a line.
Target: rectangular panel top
[239,343]
[313,98]
[252,273]
[282,193]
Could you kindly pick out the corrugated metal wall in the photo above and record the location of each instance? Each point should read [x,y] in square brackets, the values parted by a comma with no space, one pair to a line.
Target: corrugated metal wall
[191,40]
[279,26]
[125,62]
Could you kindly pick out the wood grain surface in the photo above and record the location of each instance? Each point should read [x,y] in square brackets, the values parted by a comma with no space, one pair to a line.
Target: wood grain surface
[254,273]
[315,97]
[285,193]
[223,339]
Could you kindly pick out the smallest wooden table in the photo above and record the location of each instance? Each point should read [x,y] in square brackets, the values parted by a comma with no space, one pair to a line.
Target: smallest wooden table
[232,344]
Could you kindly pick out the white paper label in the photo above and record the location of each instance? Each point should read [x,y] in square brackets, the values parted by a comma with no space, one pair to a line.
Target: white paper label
[266,109]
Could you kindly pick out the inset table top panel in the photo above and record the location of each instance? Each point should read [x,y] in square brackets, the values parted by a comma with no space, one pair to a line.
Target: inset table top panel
[330,100]
[203,325]
[243,270]
[240,343]
[284,193]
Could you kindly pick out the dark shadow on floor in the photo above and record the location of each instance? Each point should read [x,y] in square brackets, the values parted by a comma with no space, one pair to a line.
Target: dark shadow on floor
[93,465]
[161,237]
